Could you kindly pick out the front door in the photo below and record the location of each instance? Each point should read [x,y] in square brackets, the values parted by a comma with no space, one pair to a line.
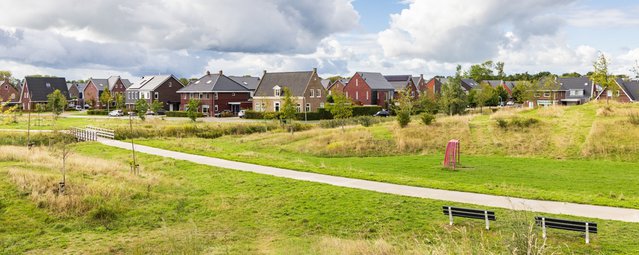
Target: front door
[235,108]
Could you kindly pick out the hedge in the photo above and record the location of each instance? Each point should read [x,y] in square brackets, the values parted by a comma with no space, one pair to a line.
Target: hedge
[321,114]
[182,114]
[97,112]
[366,110]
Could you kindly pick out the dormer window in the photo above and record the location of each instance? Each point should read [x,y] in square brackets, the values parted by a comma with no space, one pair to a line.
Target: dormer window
[48,85]
[277,91]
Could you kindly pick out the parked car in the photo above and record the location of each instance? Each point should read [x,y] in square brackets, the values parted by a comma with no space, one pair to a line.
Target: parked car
[382,113]
[116,113]
[87,106]
[149,112]
[78,108]
[241,114]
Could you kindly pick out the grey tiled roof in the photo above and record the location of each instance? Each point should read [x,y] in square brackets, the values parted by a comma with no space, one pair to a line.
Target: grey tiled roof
[249,82]
[40,90]
[100,83]
[493,83]
[150,83]
[376,81]
[630,87]
[214,83]
[578,83]
[296,82]
[398,82]
[469,84]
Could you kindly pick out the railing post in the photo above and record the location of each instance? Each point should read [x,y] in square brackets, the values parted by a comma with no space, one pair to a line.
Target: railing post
[487,221]
[543,227]
[450,216]
[587,234]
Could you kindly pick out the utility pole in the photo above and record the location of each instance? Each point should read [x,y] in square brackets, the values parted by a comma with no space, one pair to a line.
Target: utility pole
[29,130]
[134,165]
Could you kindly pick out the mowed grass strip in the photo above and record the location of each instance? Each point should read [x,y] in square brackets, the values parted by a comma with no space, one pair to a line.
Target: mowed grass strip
[181,207]
[600,182]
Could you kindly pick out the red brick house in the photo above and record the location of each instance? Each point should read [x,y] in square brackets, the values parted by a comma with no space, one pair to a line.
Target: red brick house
[433,86]
[36,89]
[420,84]
[94,88]
[367,88]
[627,91]
[401,82]
[567,91]
[216,93]
[337,86]
[162,88]
[507,85]
[8,93]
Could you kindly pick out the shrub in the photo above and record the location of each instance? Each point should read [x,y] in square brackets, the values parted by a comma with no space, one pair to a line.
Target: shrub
[634,119]
[225,114]
[518,123]
[403,118]
[97,112]
[427,118]
[250,114]
[365,110]
[204,131]
[501,123]
[182,114]
[271,115]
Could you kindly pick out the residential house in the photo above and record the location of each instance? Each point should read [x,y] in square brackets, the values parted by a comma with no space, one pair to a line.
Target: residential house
[337,86]
[468,84]
[434,86]
[567,91]
[368,88]
[627,91]
[248,82]
[76,91]
[325,83]
[162,88]
[36,89]
[216,93]
[305,87]
[8,93]
[420,84]
[507,85]
[94,88]
[401,82]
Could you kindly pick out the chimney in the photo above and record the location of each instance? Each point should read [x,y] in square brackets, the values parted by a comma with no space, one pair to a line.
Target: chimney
[315,69]
[421,76]
[265,71]
[221,73]
[208,72]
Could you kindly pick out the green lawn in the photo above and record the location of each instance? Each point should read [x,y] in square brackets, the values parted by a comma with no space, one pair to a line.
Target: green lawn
[181,207]
[598,182]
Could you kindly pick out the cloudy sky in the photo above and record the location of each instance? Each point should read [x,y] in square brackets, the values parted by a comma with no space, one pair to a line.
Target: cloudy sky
[98,38]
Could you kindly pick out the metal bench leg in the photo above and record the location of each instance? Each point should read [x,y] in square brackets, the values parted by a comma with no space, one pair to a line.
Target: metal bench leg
[487,221]
[543,227]
[450,216]
[587,234]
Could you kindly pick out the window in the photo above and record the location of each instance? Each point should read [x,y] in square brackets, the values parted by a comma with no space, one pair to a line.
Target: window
[609,93]
[48,85]
[216,108]
[233,94]
[319,93]
[277,91]
[308,107]
[356,95]
[157,95]
[263,107]
[312,93]
[208,95]
[185,96]
[277,106]
[576,92]
[546,94]
[298,108]
[215,96]
[322,105]
[356,82]
[346,93]
[367,95]
[200,96]
[618,92]
[170,84]
[537,94]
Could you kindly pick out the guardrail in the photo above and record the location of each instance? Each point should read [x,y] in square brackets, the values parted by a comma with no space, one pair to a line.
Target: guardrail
[91,133]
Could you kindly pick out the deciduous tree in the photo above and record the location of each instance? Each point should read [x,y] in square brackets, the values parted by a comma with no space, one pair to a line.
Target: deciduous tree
[601,76]
[141,106]
[106,98]
[453,99]
[56,102]
[192,109]
[341,108]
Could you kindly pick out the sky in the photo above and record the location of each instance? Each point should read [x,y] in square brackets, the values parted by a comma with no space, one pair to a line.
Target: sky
[99,38]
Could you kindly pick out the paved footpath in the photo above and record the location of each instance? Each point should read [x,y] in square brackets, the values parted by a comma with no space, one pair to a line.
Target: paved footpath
[590,211]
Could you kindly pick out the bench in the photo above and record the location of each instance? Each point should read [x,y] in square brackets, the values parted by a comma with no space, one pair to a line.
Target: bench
[469,213]
[579,226]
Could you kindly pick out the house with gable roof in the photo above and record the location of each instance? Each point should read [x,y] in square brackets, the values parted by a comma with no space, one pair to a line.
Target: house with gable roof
[369,88]
[36,89]
[8,93]
[94,88]
[162,88]
[216,93]
[401,82]
[627,91]
[306,90]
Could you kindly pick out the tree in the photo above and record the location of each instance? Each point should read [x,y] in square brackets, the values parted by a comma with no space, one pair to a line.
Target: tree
[106,98]
[119,101]
[341,108]
[485,96]
[453,98]
[288,111]
[5,74]
[499,67]
[141,106]
[635,69]
[601,76]
[39,108]
[481,72]
[571,75]
[192,109]
[62,148]
[472,98]
[404,107]
[56,102]
[156,106]
[184,81]
[549,83]
[428,104]
[501,94]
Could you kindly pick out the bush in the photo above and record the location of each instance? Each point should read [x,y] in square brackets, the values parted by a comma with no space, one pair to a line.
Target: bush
[501,123]
[634,119]
[518,123]
[203,131]
[182,114]
[97,112]
[366,110]
[427,118]
[226,114]
[365,121]
[403,118]
[250,114]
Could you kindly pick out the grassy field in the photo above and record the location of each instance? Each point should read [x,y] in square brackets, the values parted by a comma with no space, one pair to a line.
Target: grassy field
[180,207]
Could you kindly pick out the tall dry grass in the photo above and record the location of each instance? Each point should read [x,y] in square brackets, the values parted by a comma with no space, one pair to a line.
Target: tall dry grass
[354,141]
[429,139]
[615,139]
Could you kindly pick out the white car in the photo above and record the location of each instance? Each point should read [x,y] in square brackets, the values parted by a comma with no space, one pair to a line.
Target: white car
[241,114]
[116,113]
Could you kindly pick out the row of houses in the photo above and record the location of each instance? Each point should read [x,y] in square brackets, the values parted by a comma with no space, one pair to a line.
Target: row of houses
[218,92]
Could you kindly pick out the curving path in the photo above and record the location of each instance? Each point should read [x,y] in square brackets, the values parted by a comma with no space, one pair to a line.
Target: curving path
[590,211]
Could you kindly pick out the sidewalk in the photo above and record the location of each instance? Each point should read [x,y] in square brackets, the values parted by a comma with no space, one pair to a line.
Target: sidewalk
[582,210]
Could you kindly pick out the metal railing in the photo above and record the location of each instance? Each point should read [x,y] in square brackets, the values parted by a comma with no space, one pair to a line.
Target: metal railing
[91,133]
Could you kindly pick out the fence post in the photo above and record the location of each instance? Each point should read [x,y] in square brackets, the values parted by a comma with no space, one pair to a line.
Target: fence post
[450,216]
[543,227]
[487,221]
[587,234]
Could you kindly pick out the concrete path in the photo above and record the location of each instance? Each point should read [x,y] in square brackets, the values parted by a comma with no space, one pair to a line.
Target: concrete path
[590,211]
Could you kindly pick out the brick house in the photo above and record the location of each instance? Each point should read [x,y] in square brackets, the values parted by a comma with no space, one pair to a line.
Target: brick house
[306,88]
[162,88]
[94,88]
[36,89]
[216,92]
[76,92]
[627,91]
[433,86]
[420,84]
[401,82]
[248,82]
[507,85]
[569,91]
[8,93]
[367,88]
[468,84]
[337,86]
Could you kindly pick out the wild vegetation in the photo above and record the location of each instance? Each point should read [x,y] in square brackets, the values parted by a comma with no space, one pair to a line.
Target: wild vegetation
[180,207]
